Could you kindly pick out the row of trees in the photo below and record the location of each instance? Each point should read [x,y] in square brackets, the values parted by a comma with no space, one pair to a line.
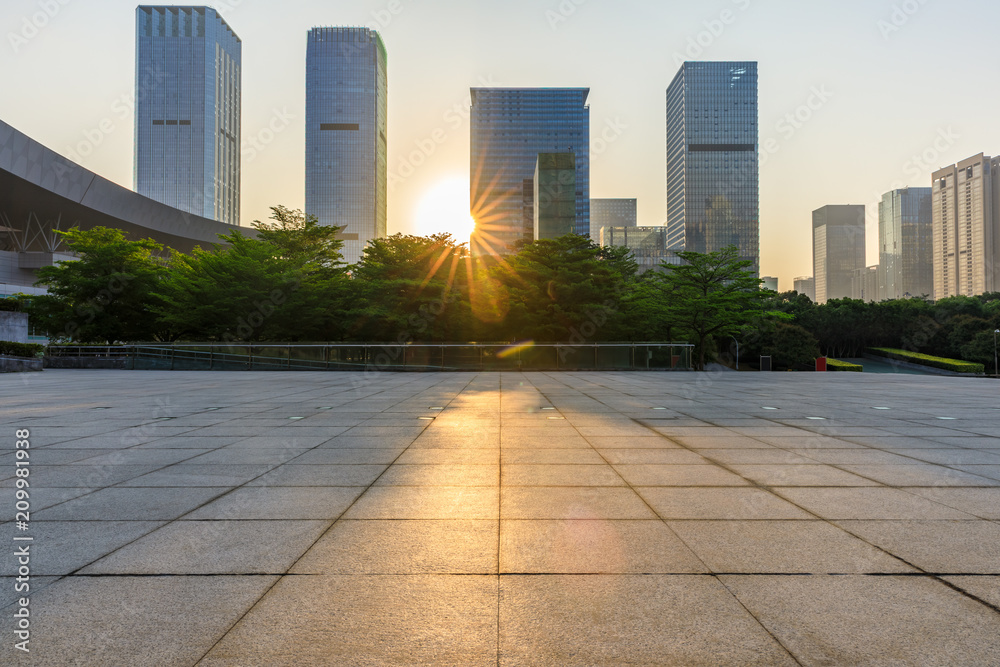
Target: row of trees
[290,284]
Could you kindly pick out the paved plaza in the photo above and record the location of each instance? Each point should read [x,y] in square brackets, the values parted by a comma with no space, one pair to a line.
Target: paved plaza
[504,519]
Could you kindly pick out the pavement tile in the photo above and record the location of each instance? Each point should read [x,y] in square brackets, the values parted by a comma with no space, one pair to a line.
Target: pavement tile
[438,502]
[867,503]
[572,503]
[950,547]
[718,503]
[280,503]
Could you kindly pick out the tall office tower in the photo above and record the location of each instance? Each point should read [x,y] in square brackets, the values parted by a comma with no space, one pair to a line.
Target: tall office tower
[865,284]
[611,213]
[713,190]
[346,154]
[806,285]
[906,244]
[966,227]
[838,250]
[187,113]
[510,127]
[554,191]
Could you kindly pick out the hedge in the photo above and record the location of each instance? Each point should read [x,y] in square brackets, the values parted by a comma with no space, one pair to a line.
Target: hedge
[837,365]
[20,349]
[954,365]
[9,304]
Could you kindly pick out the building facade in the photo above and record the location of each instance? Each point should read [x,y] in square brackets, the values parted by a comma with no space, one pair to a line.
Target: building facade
[611,213]
[838,250]
[965,205]
[187,111]
[509,128]
[554,195]
[770,282]
[806,285]
[865,285]
[713,191]
[906,244]
[346,125]
[649,245]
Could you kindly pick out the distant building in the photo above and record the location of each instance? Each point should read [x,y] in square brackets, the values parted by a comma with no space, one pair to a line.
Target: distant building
[554,195]
[770,283]
[346,152]
[648,245]
[966,227]
[865,284]
[806,285]
[906,244]
[611,213]
[509,128]
[838,250]
[187,114]
[713,190]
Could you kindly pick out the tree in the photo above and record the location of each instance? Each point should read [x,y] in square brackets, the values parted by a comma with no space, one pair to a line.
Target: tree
[712,294]
[791,346]
[107,295]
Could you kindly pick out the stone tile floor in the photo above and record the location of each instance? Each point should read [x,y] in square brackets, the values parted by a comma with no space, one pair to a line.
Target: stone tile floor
[513,519]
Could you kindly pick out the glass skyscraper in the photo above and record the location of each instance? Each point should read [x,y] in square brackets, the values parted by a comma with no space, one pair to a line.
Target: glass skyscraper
[346,154]
[611,213]
[838,250]
[187,112]
[713,190]
[510,128]
[906,244]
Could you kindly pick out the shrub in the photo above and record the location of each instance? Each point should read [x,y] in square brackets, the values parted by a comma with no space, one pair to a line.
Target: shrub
[954,365]
[10,305]
[11,349]
[837,365]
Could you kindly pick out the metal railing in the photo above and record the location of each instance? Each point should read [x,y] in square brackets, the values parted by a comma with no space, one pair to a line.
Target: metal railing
[390,357]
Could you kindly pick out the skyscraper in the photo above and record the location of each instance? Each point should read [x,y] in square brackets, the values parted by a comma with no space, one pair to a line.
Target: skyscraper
[611,213]
[555,202]
[806,285]
[838,250]
[346,154]
[713,192]
[510,127]
[966,227]
[906,247]
[187,113]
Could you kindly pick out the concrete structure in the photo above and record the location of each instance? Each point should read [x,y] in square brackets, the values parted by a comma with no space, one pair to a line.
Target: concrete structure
[713,191]
[509,128]
[806,285]
[708,532]
[865,284]
[611,213]
[187,114]
[554,195]
[41,192]
[906,244]
[648,245]
[346,127]
[838,250]
[966,227]
[770,282]
[13,327]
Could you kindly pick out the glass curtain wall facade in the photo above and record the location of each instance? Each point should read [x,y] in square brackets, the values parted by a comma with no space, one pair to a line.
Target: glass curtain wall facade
[509,128]
[346,145]
[906,248]
[838,250]
[187,113]
[611,213]
[555,201]
[713,190]
[649,245]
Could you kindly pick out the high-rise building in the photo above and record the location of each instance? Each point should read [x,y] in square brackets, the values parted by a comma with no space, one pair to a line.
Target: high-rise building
[611,213]
[965,204]
[806,285]
[838,250]
[865,284]
[906,249]
[770,282]
[648,245]
[554,195]
[187,111]
[509,128]
[346,152]
[713,190]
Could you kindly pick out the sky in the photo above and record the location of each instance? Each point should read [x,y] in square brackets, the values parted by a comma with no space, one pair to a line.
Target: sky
[856,96]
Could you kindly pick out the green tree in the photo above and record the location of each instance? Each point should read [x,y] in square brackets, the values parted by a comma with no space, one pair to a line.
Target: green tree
[107,295]
[791,346]
[712,295]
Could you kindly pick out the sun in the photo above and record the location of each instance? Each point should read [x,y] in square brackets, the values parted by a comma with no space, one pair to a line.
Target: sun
[445,209]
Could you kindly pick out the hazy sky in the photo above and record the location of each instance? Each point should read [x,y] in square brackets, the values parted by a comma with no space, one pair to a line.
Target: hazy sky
[898,88]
